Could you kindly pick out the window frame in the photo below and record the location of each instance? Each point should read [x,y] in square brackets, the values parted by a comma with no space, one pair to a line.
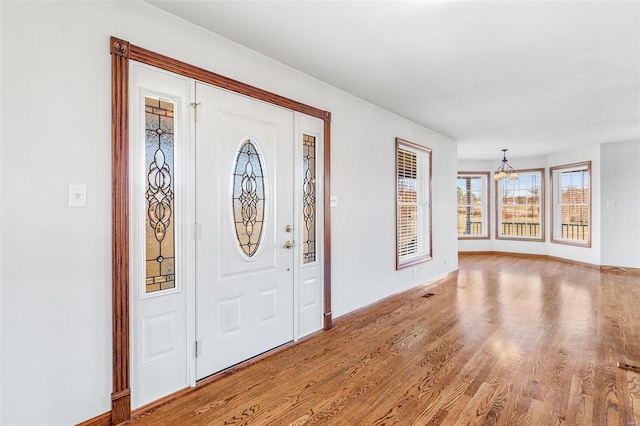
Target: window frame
[569,167]
[498,234]
[427,235]
[486,206]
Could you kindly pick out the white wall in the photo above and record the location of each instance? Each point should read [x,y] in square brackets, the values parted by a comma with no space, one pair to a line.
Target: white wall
[621,223]
[363,224]
[56,261]
[615,239]
[0,221]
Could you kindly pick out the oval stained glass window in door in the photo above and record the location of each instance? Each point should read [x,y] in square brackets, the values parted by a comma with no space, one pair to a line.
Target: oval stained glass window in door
[248,198]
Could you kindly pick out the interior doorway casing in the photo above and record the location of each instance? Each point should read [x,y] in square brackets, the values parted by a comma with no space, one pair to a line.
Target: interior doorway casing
[121,53]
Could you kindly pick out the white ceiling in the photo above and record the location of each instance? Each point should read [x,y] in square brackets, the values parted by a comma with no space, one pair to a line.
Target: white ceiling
[532,76]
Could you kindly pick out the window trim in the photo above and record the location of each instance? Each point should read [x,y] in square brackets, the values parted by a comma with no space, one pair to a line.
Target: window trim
[429,187]
[542,209]
[564,241]
[486,205]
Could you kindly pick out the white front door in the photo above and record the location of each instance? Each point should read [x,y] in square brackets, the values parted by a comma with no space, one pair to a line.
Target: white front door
[245,219]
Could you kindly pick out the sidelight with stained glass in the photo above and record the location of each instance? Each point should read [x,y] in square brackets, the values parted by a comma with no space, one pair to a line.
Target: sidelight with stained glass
[159,149]
[309,199]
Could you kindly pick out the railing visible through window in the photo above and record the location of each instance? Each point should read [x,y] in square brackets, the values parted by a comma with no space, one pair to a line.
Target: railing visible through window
[571,204]
[521,207]
[473,207]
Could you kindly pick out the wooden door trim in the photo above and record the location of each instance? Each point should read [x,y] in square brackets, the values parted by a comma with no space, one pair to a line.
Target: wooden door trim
[121,53]
[121,395]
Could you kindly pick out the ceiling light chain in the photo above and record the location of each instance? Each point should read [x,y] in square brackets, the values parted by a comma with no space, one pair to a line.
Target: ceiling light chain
[505,168]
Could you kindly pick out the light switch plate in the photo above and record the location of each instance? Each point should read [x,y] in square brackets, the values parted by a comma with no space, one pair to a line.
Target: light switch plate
[77,195]
[334,201]
[611,203]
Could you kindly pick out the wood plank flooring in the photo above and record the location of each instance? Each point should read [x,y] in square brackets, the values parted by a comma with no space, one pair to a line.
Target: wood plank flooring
[511,340]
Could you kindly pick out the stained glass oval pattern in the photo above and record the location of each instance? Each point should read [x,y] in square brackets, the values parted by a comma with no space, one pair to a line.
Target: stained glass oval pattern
[248,198]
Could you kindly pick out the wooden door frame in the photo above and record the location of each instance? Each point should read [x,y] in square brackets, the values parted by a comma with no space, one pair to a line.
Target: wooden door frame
[121,53]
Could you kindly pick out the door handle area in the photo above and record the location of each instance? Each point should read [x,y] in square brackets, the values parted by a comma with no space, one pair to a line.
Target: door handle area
[289,244]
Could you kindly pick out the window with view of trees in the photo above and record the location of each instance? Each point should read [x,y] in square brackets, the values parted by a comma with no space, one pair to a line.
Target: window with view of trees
[413,203]
[473,207]
[521,207]
[571,204]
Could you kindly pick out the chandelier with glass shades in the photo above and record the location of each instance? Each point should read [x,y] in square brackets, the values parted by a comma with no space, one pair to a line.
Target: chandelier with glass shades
[505,169]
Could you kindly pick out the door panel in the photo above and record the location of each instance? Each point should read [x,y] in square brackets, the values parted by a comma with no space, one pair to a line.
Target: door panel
[160,143]
[309,184]
[244,193]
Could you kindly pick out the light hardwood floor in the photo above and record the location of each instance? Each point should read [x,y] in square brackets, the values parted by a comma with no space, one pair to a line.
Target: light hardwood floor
[509,341]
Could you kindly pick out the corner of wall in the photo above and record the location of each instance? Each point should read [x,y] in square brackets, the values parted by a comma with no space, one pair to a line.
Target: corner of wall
[591,255]
[619,203]
[1,127]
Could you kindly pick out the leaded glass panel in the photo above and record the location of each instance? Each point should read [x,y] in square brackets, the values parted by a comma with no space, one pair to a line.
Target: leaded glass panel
[249,198]
[309,198]
[159,146]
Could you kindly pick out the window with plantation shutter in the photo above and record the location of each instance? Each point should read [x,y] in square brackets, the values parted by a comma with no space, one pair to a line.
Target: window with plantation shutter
[413,203]
[571,204]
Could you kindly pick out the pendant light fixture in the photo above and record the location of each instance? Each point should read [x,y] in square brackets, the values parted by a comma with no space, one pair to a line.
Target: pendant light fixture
[505,168]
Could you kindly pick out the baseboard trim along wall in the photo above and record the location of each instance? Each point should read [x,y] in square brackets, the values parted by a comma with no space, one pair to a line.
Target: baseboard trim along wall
[425,285]
[103,419]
